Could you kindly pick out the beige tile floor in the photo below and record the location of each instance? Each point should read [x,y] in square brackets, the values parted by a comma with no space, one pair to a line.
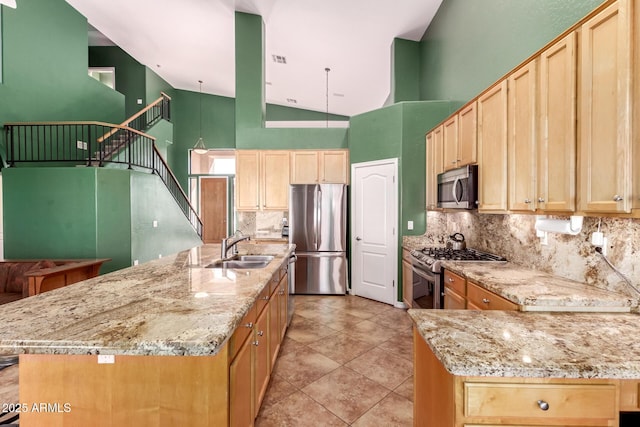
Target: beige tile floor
[344,361]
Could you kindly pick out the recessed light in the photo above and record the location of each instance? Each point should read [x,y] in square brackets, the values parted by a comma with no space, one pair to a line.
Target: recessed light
[292,100]
[341,95]
[279,59]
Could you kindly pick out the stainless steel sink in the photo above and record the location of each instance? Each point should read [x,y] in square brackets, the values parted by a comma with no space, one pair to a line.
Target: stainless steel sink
[243,262]
[253,257]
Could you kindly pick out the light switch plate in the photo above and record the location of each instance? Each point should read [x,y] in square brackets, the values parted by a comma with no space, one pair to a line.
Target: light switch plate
[409,225]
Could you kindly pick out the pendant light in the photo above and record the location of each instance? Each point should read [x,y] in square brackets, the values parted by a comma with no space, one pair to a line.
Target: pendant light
[200,148]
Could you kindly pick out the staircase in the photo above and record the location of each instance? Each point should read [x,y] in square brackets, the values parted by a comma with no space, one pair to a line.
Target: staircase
[97,144]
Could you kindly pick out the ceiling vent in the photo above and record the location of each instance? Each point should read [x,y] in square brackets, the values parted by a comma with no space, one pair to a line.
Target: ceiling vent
[292,100]
[278,59]
[339,95]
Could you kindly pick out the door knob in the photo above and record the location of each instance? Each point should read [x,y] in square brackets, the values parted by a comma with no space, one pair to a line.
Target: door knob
[358,238]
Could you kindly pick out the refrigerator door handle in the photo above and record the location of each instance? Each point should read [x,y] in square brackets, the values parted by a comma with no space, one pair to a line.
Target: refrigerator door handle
[318,215]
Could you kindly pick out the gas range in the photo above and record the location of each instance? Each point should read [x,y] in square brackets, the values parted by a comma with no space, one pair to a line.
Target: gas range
[431,258]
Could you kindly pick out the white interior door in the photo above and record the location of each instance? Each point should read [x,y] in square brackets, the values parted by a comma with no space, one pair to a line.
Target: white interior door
[374,204]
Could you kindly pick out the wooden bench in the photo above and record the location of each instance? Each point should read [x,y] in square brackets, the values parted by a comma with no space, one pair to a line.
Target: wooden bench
[24,278]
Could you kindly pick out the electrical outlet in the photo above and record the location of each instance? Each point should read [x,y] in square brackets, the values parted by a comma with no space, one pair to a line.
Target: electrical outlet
[409,225]
[155,223]
[135,262]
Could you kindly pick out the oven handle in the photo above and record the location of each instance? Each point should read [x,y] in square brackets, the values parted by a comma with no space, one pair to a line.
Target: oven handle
[423,274]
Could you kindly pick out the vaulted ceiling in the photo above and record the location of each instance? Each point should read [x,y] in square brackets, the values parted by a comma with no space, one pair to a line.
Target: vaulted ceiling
[190,40]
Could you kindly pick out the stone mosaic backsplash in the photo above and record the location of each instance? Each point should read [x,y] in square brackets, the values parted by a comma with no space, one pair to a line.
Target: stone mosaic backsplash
[572,257]
[261,224]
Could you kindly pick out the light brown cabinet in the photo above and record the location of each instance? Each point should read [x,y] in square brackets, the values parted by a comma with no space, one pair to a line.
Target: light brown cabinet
[605,143]
[556,171]
[492,149]
[460,293]
[455,291]
[320,167]
[522,138]
[460,138]
[445,400]
[450,138]
[262,180]
[434,165]
[407,279]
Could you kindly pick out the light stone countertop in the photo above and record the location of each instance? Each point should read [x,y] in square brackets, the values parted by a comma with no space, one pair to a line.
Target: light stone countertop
[538,291]
[541,345]
[169,306]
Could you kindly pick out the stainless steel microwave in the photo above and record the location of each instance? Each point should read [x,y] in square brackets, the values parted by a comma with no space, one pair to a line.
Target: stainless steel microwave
[458,188]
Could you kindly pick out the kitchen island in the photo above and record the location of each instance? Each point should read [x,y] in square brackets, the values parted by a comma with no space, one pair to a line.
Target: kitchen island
[153,344]
[517,368]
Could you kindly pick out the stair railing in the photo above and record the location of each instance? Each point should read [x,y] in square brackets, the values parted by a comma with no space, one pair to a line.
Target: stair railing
[87,143]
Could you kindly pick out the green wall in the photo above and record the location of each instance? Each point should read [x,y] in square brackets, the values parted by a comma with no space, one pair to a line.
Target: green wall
[130,74]
[91,213]
[405,70]
[45,68]
[284,113]
[471,44]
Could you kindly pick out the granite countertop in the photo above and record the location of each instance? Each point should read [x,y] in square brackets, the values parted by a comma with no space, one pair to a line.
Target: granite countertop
[541,345]
[169,306]
[538,291]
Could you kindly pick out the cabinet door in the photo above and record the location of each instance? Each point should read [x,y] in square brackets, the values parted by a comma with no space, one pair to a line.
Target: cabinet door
[274,327]
[283,305]
[605,106]
[492,149]
[453,301]
[261,361]
[247,180]
[479,298]
[275,180]
[241,386]
[468,135]
[434,165]
[334,167]
[407,283]
[522,126]
[304,167]
[557,137]
[450,138]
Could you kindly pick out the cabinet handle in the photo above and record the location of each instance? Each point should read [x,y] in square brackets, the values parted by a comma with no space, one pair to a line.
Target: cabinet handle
[486,300]
[260,333]
[256,343]
[617,198]
[540,200]
[451,279]
[265,298]
[249,325]
[543,405]
[453,162]
[527,201]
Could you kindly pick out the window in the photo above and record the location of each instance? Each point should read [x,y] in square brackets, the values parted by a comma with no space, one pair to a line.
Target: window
[214,162]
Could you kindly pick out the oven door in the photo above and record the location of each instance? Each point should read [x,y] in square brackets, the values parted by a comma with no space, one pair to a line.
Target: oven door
[426,288]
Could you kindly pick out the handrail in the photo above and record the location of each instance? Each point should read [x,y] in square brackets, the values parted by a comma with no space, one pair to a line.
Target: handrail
[163,98]
[76,142]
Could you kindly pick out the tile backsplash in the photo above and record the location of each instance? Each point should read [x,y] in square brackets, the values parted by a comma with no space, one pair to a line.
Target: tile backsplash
[572,257]
[261,224]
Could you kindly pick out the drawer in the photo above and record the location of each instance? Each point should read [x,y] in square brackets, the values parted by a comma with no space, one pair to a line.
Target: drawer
[242,332]
[263,298]
[519,401]
[486,300]
[455,282]
[274,282]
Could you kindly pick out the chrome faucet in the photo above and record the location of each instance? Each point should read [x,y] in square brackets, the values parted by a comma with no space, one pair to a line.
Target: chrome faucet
[231,242]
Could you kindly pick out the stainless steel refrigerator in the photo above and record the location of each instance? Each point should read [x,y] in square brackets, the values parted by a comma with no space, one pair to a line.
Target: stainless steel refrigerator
[318,228]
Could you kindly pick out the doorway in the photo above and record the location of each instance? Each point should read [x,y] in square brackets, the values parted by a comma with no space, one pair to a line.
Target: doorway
[374,202]
[213,209]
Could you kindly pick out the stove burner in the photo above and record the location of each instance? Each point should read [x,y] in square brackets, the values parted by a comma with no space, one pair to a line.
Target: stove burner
[431,257]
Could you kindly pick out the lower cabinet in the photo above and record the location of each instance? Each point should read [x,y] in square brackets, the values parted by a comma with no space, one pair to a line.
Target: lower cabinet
[445,400]
[407,279]
[460,293]
[253,348]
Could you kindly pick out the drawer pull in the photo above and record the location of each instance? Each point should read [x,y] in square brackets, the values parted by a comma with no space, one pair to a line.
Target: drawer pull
[485,300]
[266,298]
[249,325]
[451,280]
[543,405]
[260,333]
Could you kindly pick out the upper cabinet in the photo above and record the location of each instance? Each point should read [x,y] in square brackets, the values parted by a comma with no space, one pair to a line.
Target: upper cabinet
[434,166]
[492,149]
[522,137]
[605,111]
[320,167]
[556,183]
[460,138]
[262,180]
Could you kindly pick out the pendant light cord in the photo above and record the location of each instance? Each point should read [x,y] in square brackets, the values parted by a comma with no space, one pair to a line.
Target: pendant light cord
[200,81]
[327,93]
